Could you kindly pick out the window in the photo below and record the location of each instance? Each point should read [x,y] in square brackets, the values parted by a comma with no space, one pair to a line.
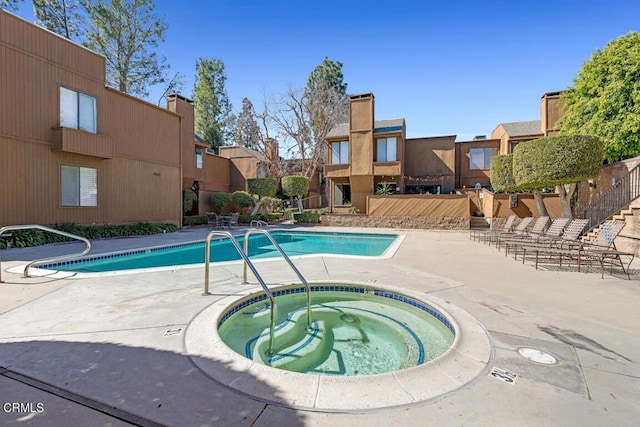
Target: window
[386,150]
[384,188]
[77,110]
[422,189]
[480,158]
[79,186]
[342,194]
[199,157]
[340,152]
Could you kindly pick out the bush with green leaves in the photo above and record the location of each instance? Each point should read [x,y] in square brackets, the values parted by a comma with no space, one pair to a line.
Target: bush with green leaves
[557,160]
[502,173]
[219,201]
[31,237]
[294,185]
[262,187]
[307,217]
[195,220]
[188,198]
[243,200]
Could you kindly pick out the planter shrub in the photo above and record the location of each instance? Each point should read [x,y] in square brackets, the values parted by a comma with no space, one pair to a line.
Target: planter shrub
[219,201]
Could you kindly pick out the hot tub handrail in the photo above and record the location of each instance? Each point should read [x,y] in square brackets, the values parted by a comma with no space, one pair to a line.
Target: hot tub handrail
[236,245]
[46,260]
[286,258]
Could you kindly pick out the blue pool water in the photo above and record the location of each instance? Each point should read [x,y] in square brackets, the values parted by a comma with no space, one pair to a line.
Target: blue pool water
[294,243]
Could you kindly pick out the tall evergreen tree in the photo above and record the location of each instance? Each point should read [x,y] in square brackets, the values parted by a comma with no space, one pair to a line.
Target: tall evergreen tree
[126,32]
[212,106]
[248,132]
[605,99]
[63,17]
[9,4]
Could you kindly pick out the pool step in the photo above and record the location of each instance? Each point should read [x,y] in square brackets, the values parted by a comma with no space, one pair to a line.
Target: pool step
[296,348]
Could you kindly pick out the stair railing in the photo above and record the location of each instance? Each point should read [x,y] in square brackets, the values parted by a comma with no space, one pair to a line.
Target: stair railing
[624,191]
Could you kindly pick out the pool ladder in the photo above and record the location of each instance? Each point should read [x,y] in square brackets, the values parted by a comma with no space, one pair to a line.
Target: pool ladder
[247,263]
[46,260]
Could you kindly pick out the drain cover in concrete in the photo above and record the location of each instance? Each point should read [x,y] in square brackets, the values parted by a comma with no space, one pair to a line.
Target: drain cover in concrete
[172,332]
[537,356]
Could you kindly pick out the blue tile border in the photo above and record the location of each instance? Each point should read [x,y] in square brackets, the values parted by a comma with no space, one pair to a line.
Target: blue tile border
[341,288]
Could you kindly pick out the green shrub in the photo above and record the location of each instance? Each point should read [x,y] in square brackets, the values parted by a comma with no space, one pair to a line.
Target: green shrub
[551,161]
[220,201]
[242,199]
[262,187]
[195,220]
[31,237]
[502,173]
[188,198]
[307,217]
[246,219]
[294,185]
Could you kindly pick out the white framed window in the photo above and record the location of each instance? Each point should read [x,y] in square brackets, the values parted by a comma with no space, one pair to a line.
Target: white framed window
[340,152]
[79,186]
[341,194]
[77,110]
[480,158]
[199,156]
[387,150]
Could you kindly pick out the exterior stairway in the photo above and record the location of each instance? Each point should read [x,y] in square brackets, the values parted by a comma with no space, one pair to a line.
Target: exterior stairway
[479,223]
[629,239]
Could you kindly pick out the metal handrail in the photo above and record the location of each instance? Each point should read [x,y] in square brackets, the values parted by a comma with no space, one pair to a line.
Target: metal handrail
[617,197]
[46,260]
[258,223]
[286,258]
[267,291]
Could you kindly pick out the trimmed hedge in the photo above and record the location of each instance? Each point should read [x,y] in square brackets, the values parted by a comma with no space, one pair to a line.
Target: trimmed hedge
[307,217]
[294,185]
[25,238]
[188,197]
[242,199]
[502,173]
[246,219]
[263,187]
[195,220]
[551,161]
[220,201]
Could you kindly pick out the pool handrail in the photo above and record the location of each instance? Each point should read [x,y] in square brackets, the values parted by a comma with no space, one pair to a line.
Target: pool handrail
[46,260]
[236,245]
[286,258]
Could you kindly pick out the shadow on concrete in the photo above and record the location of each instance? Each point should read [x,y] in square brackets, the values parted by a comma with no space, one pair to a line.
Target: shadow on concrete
[137,385]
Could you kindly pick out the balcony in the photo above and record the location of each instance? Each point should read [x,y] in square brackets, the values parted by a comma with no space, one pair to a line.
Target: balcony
[337,170]
[80,142]
[386,168]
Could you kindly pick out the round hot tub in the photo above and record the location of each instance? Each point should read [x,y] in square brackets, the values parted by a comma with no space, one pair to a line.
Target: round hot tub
[360,338]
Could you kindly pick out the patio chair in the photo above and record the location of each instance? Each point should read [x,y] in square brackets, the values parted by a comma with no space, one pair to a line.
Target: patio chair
[234,219]
[507,227]
[213,220]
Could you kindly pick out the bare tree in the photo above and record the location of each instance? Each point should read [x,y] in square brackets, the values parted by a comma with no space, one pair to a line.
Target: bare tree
[306,120]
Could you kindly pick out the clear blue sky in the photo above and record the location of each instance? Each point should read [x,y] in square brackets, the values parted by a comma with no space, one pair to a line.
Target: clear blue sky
[447,67]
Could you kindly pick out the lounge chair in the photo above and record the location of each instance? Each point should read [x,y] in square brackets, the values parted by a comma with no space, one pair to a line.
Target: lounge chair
[554,231]
[234,219]
[537,229]
[519,230]
[601,248]
[507,227]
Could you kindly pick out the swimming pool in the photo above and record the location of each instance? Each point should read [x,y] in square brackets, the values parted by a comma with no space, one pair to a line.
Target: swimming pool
[294,243]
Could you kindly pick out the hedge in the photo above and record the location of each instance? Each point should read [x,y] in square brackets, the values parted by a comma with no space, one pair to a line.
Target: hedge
[31,237]
[188,197]
[246,219]
[242,199]
[195,220]
[263,187]
[307,217]
[502,173]
[551,161]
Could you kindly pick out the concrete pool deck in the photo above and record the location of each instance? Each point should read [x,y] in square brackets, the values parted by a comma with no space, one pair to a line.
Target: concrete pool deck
[110,350]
